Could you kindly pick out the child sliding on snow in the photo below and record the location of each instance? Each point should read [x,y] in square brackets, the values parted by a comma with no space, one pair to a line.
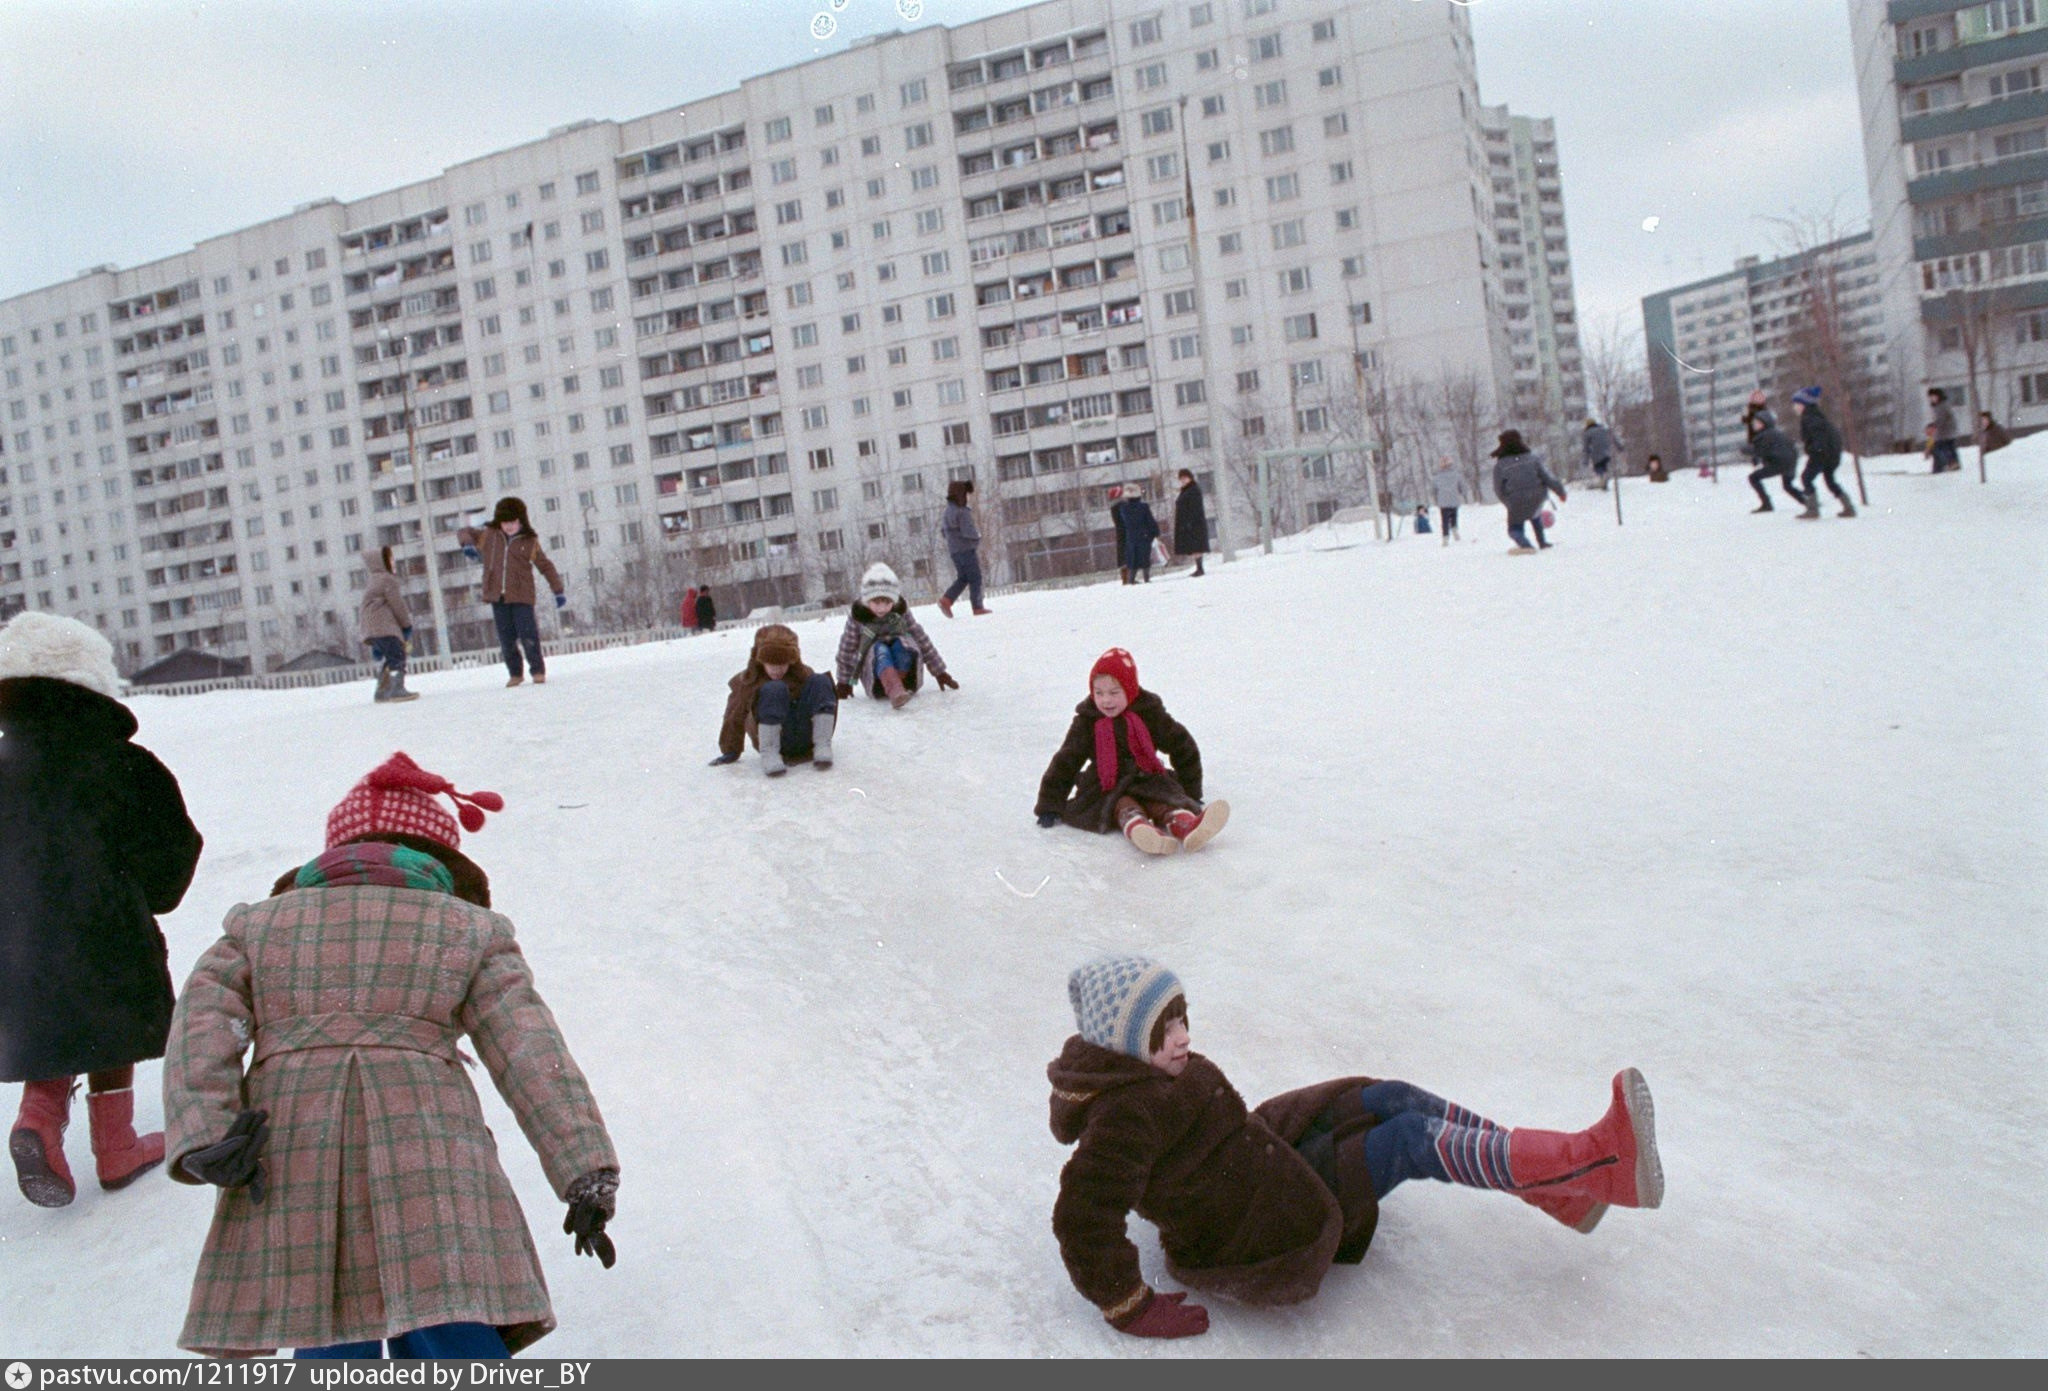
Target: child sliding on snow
[884,647]
[1107,774]
[1256,1205]
[788,710]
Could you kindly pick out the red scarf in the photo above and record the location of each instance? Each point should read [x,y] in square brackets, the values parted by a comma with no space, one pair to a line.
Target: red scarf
[1142,751]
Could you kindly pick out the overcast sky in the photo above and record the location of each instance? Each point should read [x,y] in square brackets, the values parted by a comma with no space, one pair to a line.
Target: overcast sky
[131,130]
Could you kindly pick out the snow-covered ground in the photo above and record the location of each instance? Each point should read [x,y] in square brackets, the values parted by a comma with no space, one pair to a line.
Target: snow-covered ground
[1754,804]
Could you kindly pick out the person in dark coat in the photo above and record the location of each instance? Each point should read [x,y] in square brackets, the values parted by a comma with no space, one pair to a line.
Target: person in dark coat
[1772,448]
[1598,443]
[1823,452]
[1942,433]
[963,543]
[1190,521]
[707,612]
[1521,480]
[785,708]
[509,549]
[1138,531]
[96,844]
[1116,519]
[1991,436]
[1108,775]
[1256,1205]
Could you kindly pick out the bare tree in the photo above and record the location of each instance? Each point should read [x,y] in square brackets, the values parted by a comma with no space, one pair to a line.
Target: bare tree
[1466,406]
[1616,372]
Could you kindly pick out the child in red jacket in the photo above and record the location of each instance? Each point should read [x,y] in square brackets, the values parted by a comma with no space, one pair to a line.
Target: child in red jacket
[1257,1205]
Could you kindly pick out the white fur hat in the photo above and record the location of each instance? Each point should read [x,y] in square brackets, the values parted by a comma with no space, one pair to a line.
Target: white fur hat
[47,644]
[880,581]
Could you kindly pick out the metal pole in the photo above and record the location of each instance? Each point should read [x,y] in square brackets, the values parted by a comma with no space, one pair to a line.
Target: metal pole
[1221,474]
[1265,504]
[442,638]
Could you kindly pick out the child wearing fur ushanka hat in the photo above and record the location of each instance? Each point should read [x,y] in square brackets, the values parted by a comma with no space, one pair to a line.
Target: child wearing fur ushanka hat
[1256,1205]
[788,710]
[314,1076]
[1108,774]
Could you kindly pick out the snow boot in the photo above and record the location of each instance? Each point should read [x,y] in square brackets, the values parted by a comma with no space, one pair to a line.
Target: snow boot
[120,1155]
[1139,831]
[37,1143]
[1614,1161]
[515,681]
[1848,509]
[821,740]
[383,691]
[397,691]
[1575,1210]
[771,751]
[1764,506]
[945,606]
[540,678]
[1812,512]
[892,684]
[1195,829]
[983,613]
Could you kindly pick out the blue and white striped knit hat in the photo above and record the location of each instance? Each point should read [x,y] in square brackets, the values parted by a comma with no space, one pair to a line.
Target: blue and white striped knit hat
[1117,999]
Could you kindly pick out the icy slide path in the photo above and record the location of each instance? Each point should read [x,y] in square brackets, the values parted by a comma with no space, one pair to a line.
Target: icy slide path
[1754,804]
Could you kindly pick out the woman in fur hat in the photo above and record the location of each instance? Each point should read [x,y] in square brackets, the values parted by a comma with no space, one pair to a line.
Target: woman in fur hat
[361,1194]
[785,708]
[510,551]
[97,843]
[1256,1205]
[883,647]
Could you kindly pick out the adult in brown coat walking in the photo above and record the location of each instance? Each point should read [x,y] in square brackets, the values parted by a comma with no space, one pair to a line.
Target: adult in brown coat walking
[362,1198]
[1256,1205]
[510,551]
[387,625]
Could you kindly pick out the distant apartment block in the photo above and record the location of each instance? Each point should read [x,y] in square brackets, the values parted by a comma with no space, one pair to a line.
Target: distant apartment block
[746,342]
[1955,138]
[1547,392]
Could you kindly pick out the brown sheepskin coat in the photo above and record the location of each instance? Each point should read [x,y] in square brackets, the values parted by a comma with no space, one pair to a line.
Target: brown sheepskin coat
[1240,1212]
[509,563]
[387,1209]
[739,727]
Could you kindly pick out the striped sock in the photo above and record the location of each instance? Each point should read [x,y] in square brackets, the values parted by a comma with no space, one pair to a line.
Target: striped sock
[1455,1114]
[1475,1156]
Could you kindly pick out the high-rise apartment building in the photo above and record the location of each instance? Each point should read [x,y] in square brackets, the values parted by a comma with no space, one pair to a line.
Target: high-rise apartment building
[1756,327]
[1548,391]
[1955,140]
[746,342]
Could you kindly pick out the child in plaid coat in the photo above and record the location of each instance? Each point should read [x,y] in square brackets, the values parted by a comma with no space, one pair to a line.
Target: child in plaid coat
[362,1197]
[883,647]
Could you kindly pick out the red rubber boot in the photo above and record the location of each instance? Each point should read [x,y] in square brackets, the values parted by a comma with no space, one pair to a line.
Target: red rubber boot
[1615,1161]
[1575,1210]
[37,1143]
[120,1155]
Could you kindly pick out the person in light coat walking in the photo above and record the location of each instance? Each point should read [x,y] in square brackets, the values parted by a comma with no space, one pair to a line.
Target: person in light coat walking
[1448,486]
[387,625]
[963,543]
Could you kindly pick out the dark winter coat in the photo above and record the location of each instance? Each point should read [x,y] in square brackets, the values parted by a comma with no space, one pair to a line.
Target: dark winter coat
[1072,790]
[739,728]
[509,563]
[1136,532]
[1190,522]
[1822,440]
[383,613]
[1599,445]
[1521,481]
[1943,426]
[96,843]
[1773,448]
[1240,1212]
[1993,436]
[707,612]
[958,529]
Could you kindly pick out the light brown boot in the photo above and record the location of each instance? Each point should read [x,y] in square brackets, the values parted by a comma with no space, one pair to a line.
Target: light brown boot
[892,683]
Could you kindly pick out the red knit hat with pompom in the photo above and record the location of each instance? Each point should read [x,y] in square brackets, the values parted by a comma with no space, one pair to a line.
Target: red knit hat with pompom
[1120,664]
[397,798]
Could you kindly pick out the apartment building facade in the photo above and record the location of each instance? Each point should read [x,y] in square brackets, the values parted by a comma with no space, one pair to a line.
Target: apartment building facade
[746,342]
[1547,383]
[1714,341]
[1955,133]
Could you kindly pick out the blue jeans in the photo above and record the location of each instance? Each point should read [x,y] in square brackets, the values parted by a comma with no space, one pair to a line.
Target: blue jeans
[455,1340]
[893,652]
[517,629]
[1404,1143]
[773,706]
[388,653]
[967,576]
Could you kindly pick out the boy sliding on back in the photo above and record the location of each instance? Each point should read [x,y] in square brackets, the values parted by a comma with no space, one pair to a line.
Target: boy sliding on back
[1257,1205]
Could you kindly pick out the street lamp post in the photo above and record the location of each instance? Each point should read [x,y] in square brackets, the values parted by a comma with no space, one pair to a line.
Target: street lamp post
[419,483]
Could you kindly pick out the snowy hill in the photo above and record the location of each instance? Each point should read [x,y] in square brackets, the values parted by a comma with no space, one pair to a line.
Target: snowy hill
[1752,803]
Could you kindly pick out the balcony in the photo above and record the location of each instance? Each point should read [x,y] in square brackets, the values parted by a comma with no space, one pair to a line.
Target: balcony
[1927,67]
[1956,120]
[1971,178]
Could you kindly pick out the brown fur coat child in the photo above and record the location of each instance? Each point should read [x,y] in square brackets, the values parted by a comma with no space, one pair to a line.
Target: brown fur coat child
[1240,1212]
[1072,791]
[739,727]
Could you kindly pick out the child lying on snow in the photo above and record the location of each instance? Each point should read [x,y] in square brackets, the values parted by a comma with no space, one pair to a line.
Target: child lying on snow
[1256,1205]
[1119,732]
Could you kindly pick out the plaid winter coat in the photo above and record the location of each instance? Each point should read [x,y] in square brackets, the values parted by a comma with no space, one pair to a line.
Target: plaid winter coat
[854,660]
[387,1210]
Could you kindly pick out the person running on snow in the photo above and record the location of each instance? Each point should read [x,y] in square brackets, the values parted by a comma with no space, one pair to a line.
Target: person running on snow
[883,647]
[1256,1205]
[361,1195]
[1823,453]
[1521,480]
[96,844]
[387,626]
[788,710]
[510,551]
[1107,774]
[1448,487]
[1776,455]
[1598,443]
[963,543]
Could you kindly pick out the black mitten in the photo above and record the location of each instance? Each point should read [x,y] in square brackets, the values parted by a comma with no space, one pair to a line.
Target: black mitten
[592,1200]
[233,1160]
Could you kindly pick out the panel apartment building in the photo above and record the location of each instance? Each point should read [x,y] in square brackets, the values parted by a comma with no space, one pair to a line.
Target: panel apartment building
[1714,341]
[745,342]
[1955,138]
[1547,390]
